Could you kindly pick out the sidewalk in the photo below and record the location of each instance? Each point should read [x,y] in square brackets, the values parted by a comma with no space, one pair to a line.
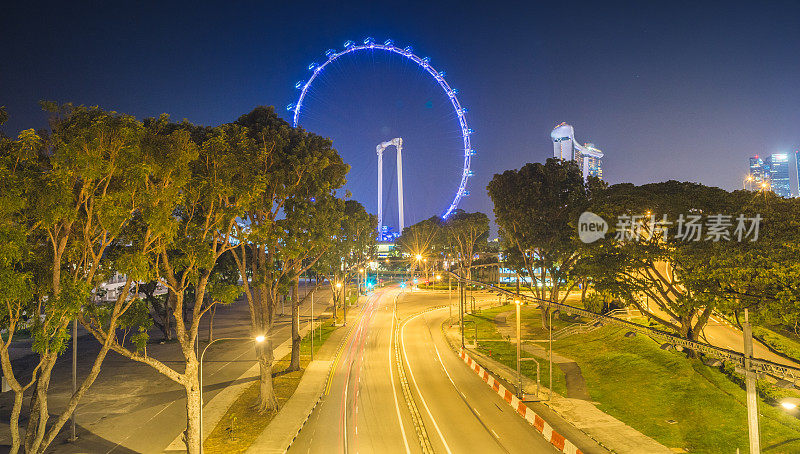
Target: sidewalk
[282,430]
[577,419]
[215,409]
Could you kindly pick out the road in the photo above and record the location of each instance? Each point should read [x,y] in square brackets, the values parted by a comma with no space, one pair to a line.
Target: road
[365,409]
[131,407]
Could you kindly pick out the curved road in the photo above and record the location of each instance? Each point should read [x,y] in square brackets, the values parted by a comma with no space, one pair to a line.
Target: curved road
[365,409]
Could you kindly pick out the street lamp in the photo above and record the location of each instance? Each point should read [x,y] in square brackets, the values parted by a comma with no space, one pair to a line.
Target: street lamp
[518,303]
[258,339]
[790,403]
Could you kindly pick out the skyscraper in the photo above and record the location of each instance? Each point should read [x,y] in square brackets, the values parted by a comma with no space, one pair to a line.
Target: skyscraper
[779,174]
[589,158]
[772,171]
[756,171]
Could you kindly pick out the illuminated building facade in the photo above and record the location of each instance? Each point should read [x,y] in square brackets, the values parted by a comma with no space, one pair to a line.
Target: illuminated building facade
[588,157]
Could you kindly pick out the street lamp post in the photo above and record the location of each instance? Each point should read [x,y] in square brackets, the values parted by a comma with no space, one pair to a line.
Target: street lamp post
[519,373]
[258,339]
[750,387]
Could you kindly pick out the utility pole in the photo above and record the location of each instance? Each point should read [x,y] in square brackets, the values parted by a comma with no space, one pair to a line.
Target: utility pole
[461,309]
[550,314]
[519,337]
[449,297]
[312,325]
[750,385]
[73,435]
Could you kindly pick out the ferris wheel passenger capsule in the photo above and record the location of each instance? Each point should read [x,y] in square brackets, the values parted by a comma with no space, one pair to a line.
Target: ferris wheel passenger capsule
[312,66]
[330,52]
[426,60]
[388,43]
[369,41]
[408,50]
[290,107]
[348,44]
[298,84]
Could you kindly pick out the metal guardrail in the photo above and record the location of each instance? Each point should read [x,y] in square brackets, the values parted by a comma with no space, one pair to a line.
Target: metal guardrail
[763,366]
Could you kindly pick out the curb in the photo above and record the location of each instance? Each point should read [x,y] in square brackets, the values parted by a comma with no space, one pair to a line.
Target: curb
[556,439]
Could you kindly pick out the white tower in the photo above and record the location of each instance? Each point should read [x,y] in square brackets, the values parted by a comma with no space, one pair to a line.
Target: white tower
[397,142]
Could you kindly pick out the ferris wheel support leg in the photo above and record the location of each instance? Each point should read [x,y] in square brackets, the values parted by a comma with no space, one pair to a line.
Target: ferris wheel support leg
[399,146]
[380,191]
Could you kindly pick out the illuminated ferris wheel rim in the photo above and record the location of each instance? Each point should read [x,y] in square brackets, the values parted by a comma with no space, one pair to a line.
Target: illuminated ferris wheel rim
[388,46]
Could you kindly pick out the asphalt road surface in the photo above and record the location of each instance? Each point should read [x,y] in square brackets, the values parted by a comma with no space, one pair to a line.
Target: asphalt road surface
[133,408]
[365,409]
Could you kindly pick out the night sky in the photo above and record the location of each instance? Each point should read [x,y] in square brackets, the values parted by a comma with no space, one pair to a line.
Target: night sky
[668,91]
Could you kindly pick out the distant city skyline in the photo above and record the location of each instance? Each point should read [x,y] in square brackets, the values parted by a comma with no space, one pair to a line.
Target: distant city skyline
[663,90]
[773,172]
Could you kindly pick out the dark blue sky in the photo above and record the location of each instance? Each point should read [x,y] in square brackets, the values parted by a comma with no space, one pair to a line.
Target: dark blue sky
[667,90]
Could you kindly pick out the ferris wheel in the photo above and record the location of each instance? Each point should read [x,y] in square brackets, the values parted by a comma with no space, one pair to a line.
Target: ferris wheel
[388,46]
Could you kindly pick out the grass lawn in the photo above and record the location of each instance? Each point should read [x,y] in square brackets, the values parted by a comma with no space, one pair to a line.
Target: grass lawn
[779,342]
[506,352]
[679,402]
[242,423]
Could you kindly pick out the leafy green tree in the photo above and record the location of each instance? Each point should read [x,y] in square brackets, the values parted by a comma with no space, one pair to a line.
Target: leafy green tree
[192,200]
[536,209]
[672,279]
[353,244]
[77,187]
[423,241]
[281,165]
[466,234]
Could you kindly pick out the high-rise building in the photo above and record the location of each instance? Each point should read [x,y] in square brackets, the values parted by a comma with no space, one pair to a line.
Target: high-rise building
[797,166]
[756,171]
[771,172]
[589,158]
[779,174]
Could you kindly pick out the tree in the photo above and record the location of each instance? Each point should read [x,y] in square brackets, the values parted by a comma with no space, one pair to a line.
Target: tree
[77,187]
[536,209]
[466,235]
[671,279]
[353,244]
[281,165]
[423,240]
[191,206]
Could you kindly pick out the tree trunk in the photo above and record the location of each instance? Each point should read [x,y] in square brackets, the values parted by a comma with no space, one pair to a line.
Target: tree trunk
[267,401]
[545,313]
[192,389]
[211,324]
[295,362]
[37,424]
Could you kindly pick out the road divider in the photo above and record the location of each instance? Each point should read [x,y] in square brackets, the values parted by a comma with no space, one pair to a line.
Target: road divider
[556,439]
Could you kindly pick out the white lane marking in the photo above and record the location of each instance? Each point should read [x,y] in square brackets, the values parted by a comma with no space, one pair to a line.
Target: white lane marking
[414,381]
[495,434]
[476,411]
[394,390]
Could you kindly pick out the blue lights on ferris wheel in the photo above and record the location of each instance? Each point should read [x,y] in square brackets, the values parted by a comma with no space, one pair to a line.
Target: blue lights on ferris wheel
[424,63]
